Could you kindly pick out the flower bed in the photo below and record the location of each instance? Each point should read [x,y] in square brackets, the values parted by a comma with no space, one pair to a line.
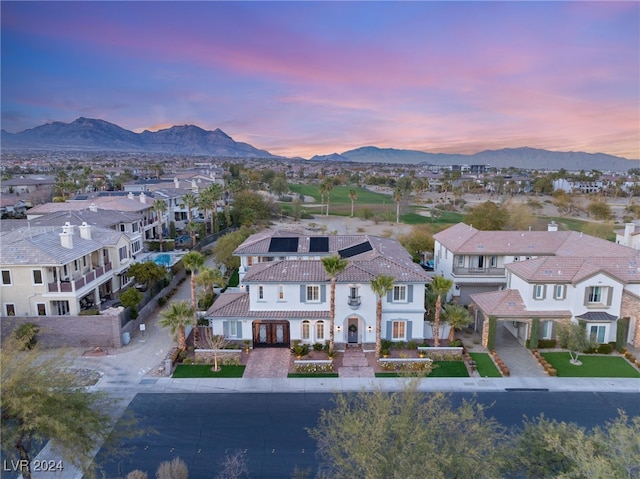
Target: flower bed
[313,366]
[405,364]
[442,353]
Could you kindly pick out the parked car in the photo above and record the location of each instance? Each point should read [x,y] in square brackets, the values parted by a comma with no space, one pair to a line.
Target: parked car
[427,265]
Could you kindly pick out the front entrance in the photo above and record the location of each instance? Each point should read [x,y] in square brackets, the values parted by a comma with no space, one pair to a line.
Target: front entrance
[271,333]
[352,331]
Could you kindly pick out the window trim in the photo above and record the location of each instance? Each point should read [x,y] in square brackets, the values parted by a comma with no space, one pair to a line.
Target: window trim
[320,324]
[260,292]
[33,277]
[10,275]
[309,288]
[460,261]
[399,322]
[305,327]
[404,289]
[6,309]
[281,292]
[45,309]
[599,327]
[563,291]
[591,294]
[542,289]
[232,332]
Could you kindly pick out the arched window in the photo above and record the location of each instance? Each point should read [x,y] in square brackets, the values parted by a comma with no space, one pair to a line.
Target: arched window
[320,331]
[306,330]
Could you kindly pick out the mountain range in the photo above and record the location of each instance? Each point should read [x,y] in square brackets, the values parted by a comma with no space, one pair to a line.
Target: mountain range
[86,134]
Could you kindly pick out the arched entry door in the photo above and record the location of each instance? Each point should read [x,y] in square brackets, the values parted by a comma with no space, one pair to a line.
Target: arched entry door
[353,333]
[271,333]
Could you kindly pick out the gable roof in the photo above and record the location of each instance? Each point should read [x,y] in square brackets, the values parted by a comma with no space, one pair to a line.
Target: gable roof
[508,303]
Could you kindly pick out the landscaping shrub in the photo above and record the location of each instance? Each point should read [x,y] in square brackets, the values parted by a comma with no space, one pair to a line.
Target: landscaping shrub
[456,343]
[162,300]
[299,349]
[412,345]
[25,336]
[605,348]
[314,368]
[318,347]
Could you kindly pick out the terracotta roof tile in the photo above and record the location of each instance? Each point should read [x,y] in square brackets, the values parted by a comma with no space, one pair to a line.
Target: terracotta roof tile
[509,304]
[236,305]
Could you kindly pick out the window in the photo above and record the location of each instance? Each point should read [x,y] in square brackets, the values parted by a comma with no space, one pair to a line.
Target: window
[558,291]
[306,330]
[10,309]
[6,276]
[232,332]
[313,294]
[84,261]
[134,227]
[546,328]
[538,291]
[320,330]
[260,293]
[281,292]
[37,276]
[123,253]
[122,228]
[598,332]
[75,265]
[494,261]
[461,261]
[400,293]
[594,294]
[42,309]
[398,330]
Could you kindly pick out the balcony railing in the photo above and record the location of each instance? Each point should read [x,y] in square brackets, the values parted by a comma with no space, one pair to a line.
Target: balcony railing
[353,301]
[70,286]
[465,270]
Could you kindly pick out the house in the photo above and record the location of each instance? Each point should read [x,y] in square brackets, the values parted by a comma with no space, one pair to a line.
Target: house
[629,236]
[522,278]
[284,291]
[50,271]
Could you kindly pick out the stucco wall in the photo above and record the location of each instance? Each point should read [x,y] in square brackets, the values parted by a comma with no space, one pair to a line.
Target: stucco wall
[631,308]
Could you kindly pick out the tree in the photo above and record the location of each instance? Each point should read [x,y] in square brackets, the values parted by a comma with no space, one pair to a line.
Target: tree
[439,286]
[42,398]
[380,286]
[250,207]
[333,265]
[322,189]
[130,299]
[176,469]
[147,273]
[279,186]
[419,241]
[600,210]
[175,318]
[457,317]
[227,244]
[160,207]
[519,217]
[215,342]
[573,336]
[208,199]
[354,196]
[328,186]
[190,201]
[208,278]
[402,435]
[193,261]
[397,197]
[234,466]
[487,216]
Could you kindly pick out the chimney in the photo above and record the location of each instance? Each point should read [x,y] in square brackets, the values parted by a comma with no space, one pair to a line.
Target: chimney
[85,231]
[176,182]
[194,186]
[143,197]
[93,208]
[553,226]
[130,195]
[66,237]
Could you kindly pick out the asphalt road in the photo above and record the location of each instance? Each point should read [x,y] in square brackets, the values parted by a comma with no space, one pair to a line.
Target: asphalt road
[271,428]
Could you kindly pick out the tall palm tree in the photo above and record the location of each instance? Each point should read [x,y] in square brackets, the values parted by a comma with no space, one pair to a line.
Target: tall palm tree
[381,285]
[397,197]
[328,187]
[175,318]
[322,189]
[214,192]
[159,206]
[457,317]
[193,261]
[190,201]
[333,265]
[208,278]
[439,285]
[354,196]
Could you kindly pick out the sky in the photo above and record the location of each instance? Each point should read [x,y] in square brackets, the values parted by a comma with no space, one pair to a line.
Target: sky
[314,78]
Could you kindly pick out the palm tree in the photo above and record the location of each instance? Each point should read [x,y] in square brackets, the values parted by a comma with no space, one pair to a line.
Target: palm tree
[159,206]
[439,285]
[354,196]
[214,192]
[458,317]
[397,197]
[208,278]
[193,261]
[380,286]
[333,265]
[322,189]
[190,201]
[176,318]
[328,187]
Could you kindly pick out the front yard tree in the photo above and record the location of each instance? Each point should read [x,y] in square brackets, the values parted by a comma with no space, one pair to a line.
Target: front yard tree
[439,286]
[193,261]
[573,336]
[380,286]
[130,299]
[42,399]
[333,265]
[208,278]
[457,317]
[175,318]
[353,196]
[160,207]
[147,273]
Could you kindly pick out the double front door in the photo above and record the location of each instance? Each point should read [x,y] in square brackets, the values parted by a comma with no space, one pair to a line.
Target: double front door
[271,333]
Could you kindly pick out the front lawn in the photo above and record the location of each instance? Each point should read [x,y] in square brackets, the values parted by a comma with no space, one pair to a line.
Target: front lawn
[485,365]
[441,369]
[592,366]
[184,371]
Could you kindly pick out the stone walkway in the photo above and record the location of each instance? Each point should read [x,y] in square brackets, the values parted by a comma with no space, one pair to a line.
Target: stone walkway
[355,365]
[518,359]
[268,363]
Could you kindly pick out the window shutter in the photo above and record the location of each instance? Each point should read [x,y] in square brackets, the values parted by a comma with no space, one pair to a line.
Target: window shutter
[323,293]
[544,291]
[609,291]
[389,326]
[410,293]
[586,295]
[303,293]
[239,329]
[225,328]
[389,296]
[409,327]
[535,287]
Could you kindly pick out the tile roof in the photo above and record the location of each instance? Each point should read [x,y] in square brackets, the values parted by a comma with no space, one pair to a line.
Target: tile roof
[118,203]
[508,303]
[236,305]
[100,218]
[597,316]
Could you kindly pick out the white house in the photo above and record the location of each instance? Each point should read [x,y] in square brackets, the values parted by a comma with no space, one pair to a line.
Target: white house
[284,293]
[629,236]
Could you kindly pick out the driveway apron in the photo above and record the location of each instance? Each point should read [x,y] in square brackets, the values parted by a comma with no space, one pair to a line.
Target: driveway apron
[268,363]
[517,358]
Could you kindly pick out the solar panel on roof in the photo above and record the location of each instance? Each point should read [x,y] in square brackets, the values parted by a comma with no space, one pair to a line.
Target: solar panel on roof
[283,245]
[319,244]
[355,250]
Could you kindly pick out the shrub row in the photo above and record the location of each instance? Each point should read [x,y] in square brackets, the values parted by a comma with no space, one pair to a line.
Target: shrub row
[543,343]
[312,367]
[413,366]
[631,358]
[504,370]
[548,368]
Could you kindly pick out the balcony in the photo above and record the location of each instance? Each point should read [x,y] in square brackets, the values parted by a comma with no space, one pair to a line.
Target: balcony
[74,285]
[466,271]
[353,301]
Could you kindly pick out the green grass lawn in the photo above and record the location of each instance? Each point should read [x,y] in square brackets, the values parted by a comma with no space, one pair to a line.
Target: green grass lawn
[204,371]
[234,280]
[340,195]
[312,375]
[485,365]
[592,366]
[442,369]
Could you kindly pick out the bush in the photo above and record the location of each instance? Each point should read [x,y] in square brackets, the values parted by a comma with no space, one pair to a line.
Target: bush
[604,348]
[318,347]
[299,349]
[412,345]
[162,300]
[456,343]
[25,336]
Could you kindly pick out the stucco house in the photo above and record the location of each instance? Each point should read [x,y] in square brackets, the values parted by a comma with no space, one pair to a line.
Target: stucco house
[284,292]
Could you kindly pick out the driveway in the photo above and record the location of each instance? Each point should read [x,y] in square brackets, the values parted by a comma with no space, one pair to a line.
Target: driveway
[518,359]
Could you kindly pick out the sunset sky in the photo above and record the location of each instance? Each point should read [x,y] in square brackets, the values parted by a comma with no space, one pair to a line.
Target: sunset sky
[306,78]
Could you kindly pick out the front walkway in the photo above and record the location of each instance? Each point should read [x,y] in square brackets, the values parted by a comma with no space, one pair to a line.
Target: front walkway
[268,363]
[518,359]
[355,365]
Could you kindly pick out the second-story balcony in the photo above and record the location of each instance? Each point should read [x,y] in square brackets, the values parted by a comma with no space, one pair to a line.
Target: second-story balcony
[466,271]
[353,301]
[76,284]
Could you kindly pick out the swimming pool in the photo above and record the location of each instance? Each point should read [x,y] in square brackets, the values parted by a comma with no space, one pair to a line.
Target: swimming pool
[163,260]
